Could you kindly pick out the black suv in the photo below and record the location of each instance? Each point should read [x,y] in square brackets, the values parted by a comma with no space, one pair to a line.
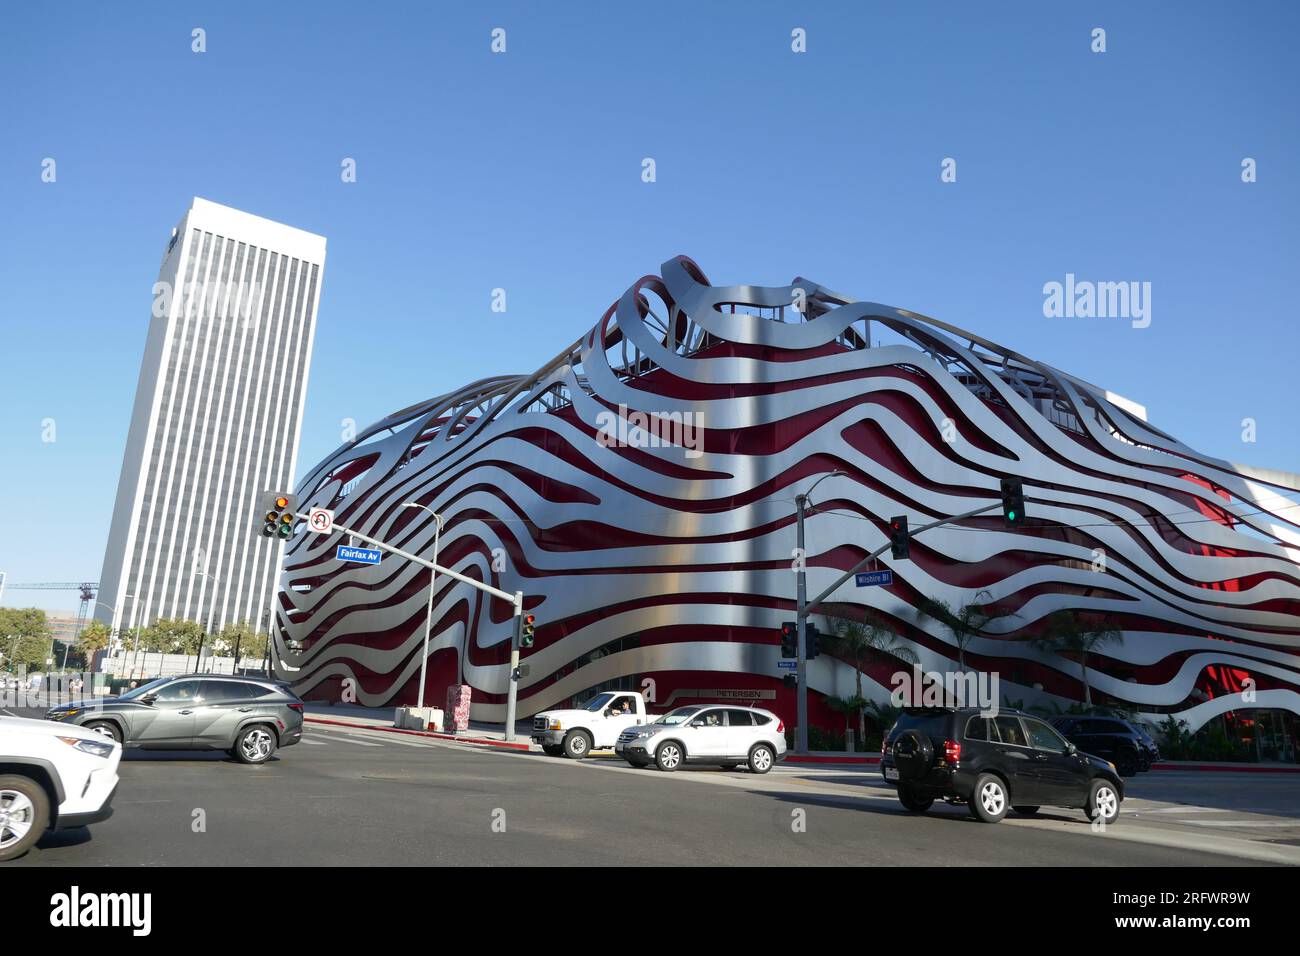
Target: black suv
[992,764]
[1117,740]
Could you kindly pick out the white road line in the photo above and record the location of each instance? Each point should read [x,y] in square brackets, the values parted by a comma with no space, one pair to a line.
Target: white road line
[313,743]
[346,738]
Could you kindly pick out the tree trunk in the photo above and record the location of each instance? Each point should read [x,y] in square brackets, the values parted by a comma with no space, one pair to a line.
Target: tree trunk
[862,717]
[1087,690]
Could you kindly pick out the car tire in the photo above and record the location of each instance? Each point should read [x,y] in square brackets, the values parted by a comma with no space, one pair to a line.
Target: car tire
[25,808]
[1126,763]
[105,728]
[989,801]
[911,802]
[577,744]
[254,744]
[1103,801]
[761,758]
[1025,811]
[553,750]
[670,756]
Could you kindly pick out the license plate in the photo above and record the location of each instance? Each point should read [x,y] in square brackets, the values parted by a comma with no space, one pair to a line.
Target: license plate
[891,773]
[618,746]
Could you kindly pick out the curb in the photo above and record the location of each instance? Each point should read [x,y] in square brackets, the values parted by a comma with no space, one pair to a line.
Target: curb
[810,758]
[1226,768]
[477,741]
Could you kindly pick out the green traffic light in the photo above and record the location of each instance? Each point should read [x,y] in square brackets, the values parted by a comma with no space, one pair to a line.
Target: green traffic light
[1011,515]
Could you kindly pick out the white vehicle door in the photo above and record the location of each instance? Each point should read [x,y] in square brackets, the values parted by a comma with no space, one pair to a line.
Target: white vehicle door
[615,720]
[706,734]
[740,732]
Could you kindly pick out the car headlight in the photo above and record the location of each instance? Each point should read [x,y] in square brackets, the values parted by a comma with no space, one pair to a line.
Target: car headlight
[554,725]
[65,714]
[93,747]
[644,734]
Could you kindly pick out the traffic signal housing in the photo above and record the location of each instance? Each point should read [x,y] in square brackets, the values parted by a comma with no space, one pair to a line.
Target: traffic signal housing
[527,635]
[899,542]
[789,640]
[278,514]
[811,641]
[1013,501]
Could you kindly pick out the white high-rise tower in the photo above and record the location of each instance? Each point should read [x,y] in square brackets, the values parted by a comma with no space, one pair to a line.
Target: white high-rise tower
[217,413]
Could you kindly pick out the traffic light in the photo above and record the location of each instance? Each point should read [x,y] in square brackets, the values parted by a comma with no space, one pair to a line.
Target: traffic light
[810,637]
[790,680]
[789,639]
[1013,501]
[278,511]
[899,543]
[526,636]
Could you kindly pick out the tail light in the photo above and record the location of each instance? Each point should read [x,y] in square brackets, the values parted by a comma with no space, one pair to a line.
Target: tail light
[884,745]
[780,726]
[951,752]
[297,707]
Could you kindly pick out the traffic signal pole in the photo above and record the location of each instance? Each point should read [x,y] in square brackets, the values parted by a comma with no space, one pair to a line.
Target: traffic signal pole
[512,693]
[805,607]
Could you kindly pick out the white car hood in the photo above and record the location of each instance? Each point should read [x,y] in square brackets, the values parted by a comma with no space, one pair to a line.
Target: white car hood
[45,728]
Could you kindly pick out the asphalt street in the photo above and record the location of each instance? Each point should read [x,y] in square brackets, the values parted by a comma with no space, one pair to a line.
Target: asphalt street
[356,798]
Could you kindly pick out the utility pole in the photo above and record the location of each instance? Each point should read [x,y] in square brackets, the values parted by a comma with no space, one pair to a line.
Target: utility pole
[801,627]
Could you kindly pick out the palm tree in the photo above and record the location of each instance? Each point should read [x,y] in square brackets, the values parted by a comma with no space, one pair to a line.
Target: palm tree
[848,706]
[1065,632]
[963,623]
[859,640]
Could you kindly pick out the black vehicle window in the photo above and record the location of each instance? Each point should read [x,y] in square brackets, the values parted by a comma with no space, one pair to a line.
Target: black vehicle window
[760,720]
[1010,731]
[1114,727]
[216,691]
[1043,737]
[739,718]
[977,728]
[930,724]
[179,690]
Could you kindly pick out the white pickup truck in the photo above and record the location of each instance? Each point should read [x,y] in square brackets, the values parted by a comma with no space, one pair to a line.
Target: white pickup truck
[595,726]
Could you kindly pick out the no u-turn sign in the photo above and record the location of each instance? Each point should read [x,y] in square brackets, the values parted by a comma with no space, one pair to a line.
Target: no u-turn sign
[320,520]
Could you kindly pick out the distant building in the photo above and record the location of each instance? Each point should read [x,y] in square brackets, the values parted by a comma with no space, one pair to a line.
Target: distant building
[216,421]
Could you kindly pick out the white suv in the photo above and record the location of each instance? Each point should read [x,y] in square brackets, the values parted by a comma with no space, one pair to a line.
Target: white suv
[52,776]
[723,736]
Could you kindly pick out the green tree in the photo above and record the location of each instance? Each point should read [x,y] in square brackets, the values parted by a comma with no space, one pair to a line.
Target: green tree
[859,641]
[95,636]
[1066,632]
[173,636]
[24,637]
[963,623]
[239,637]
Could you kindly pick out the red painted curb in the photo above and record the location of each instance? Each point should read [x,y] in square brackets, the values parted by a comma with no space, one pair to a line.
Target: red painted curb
[479,741]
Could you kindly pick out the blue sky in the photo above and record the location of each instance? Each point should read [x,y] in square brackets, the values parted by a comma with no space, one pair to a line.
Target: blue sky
[522,171]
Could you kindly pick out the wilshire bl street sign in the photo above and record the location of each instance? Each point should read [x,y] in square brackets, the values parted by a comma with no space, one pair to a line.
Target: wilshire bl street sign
[866,579]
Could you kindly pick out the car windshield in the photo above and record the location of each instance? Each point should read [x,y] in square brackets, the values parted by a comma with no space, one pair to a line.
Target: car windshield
[679,716]
[144,689]
[598,702]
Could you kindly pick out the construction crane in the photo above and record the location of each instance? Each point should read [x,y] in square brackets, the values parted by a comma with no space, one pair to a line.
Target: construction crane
[88,591]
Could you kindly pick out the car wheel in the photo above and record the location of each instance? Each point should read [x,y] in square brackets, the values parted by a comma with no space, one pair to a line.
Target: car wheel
[1025,811]
[1103,801]
[761,758]
[988,803]
[1126,762]
[24,815]
[669,756]
[913,803]
[254,744]
[105,728]
[576,744]
[553,750]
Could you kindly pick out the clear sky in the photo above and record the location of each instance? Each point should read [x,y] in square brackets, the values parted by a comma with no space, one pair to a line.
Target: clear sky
[522,171]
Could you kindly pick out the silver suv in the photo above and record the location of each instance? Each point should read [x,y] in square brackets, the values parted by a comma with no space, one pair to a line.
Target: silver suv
[723,736]
[248,717]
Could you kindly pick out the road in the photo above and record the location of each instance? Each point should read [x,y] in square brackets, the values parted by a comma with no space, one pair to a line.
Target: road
[358,797]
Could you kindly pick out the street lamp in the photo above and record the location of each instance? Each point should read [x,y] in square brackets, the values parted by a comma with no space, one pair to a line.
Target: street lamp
[428,614]
[111,636]
[801,622]
[198,662]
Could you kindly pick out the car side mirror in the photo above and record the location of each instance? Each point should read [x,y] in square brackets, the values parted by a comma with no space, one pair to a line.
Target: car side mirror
[1070,749]
[148,698]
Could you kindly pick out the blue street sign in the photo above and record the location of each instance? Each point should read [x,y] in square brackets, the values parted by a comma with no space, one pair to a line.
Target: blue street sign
[788,665]
[358,555]
[868,578]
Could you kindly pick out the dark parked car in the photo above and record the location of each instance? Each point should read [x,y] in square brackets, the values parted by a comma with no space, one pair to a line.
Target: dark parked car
[992,764]
[248,717]
[1117,740]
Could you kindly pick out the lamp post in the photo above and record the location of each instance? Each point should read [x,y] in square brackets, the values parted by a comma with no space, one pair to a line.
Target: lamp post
[801,622]
[198,661]
[112,636]
[428,614]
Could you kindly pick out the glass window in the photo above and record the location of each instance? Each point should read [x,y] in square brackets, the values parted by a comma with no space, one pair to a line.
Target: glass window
[977,728]
[1010,731]
[623,705]
[179,691]
[216,691]
[1043,737]
[739,718]
[710,718]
